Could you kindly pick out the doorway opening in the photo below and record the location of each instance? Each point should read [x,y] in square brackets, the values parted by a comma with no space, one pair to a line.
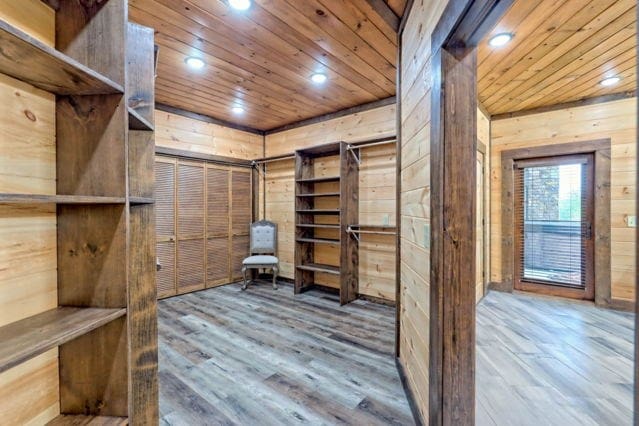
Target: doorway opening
[554,209]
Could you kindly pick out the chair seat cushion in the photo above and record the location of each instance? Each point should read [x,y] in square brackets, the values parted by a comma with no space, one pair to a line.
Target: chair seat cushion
[260,260]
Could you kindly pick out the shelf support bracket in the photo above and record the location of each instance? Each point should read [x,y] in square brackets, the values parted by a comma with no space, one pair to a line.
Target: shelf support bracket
[355,156]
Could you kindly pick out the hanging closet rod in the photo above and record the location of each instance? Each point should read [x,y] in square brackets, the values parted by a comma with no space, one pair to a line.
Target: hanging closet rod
[370,144]
[274,159]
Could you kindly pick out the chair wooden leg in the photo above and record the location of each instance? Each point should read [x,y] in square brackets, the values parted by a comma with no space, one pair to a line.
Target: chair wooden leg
[276,270]
[245,286]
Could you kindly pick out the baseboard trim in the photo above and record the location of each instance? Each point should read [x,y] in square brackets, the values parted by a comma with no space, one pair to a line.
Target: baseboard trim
[378,300]
[504,287]
[619,305]
[409,394]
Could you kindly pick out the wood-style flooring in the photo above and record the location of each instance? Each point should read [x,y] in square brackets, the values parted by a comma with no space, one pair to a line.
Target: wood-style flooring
[265,357]
[546,361]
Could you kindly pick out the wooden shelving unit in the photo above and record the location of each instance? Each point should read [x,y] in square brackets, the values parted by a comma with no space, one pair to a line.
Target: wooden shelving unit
[105,324]
[25,339]
[324,204]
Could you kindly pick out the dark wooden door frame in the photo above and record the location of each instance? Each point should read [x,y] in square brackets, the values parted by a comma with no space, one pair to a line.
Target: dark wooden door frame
[601,151]
[453,199]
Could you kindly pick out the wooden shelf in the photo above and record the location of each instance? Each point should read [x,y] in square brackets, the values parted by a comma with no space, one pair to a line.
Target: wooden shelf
[318,225]
[318,240]
[320,194]
[139,201]
[319,211]
[373,226]
[80,420]
[137,122]
[318,267]
[319,179]
[29,60]
[57,199]
[32,336]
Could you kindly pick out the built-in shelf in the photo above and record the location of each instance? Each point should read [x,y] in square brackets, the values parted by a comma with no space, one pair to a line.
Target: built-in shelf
[360,226]
[29,60]
[137,122]
[320,194]
[318,225]
[80,420]
[318,267]
[318,240]
[139,201]
[319,179]
[27,338]
[57,199]
[319,211]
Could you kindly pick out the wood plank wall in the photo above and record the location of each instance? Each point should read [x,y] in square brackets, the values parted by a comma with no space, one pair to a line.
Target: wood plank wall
[415,197]
[29,393]
[377,192]
[179,132]
[615,120]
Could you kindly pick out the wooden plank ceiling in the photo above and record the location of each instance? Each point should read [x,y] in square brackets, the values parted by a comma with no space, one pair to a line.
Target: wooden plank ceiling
[262,59]
[560,52]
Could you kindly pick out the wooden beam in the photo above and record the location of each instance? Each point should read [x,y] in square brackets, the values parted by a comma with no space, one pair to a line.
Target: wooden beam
[387,14]
[342,113]
[206,118]
[573,104]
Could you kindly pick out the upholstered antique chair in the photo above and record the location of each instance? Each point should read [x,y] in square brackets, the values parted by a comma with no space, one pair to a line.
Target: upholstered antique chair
[263,251]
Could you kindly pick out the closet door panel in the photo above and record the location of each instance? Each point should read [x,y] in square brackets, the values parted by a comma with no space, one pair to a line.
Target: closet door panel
[217,261]
[191,265]
[241,206]
[190,196]
[217,201]
[165,213]
[240,249]
[165,277]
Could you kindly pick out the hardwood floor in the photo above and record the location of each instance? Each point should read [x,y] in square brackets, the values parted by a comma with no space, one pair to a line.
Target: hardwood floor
[545,361]
[265,357]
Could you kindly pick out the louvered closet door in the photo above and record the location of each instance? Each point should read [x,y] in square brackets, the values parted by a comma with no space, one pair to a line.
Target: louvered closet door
[165,174]
[241,213]
[217,225]
[190,226]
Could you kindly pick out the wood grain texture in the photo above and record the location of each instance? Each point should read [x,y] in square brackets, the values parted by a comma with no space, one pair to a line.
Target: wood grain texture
[543,360]
[263,58]
[80,420]
[414,317]
[335,366]
[614,120]
[27,338]
[140,74]
[94,372]
[91,248]
[28,279]
[27,59]
[560,53]
[178,132]
[29,393]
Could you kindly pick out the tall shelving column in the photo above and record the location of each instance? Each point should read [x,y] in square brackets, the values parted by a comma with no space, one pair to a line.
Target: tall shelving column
[142,293]
[105,324]
[309,190]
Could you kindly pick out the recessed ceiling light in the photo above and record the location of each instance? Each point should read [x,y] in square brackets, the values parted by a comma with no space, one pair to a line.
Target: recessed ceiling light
[610,81]
[195,63]
[237,110]
[500,39]
[240,4]
[319,78]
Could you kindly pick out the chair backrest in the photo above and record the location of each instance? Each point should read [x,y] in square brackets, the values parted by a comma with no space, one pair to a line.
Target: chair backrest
[264,237]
